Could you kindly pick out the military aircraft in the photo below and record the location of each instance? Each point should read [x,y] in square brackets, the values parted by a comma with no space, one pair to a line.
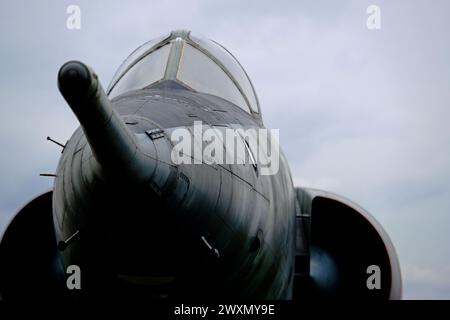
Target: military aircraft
[136,222]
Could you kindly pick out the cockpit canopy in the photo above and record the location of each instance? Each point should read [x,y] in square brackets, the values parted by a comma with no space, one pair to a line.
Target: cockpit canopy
[194,62]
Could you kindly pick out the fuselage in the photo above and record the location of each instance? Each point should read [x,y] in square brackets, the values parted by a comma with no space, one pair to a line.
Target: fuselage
[208,230]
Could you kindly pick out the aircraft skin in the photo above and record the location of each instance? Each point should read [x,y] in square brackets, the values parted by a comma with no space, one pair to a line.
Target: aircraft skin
[139,225]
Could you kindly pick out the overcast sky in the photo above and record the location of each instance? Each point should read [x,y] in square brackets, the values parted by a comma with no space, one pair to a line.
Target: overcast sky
[362,113]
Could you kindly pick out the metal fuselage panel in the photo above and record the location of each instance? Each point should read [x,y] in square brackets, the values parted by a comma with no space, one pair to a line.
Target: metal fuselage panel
[207,230]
